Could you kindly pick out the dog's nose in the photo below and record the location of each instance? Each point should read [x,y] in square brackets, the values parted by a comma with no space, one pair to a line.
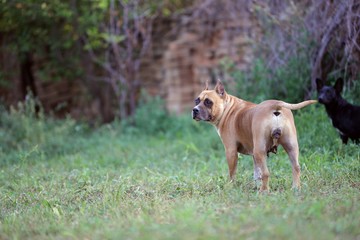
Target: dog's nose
[195,111]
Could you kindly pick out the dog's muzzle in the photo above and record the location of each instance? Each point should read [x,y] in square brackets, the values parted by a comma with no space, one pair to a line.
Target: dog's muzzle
[195,114]
[321,99]
[199,114]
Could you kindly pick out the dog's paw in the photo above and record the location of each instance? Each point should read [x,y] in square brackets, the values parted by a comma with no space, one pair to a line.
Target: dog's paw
[296,189]
[263,192]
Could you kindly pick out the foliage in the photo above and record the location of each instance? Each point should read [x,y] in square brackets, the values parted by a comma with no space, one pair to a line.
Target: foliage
[288,82]
[25,133]
[282,66]
[324,32]
[352,93]
[152,118]
[46,30]
[146,186]
[117,40]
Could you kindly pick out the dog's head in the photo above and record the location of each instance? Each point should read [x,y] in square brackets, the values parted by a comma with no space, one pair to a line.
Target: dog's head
[329,94]
[209,105]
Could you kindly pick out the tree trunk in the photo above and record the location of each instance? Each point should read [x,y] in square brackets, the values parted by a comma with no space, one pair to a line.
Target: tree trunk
[27,77]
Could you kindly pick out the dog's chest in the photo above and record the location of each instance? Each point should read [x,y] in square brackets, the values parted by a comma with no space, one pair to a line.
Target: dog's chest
[335,123]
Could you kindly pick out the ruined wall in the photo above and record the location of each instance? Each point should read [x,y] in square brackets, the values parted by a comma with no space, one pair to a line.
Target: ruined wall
[188,51]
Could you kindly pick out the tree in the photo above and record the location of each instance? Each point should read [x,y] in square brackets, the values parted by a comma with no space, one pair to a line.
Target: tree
[118,44]
[335,26]
[41,31]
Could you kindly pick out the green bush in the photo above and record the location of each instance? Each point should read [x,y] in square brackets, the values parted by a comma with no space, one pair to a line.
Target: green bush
[288,82]
[352,93]
[26,133]
[152,118]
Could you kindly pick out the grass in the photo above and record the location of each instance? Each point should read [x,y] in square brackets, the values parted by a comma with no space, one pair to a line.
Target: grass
[64,181]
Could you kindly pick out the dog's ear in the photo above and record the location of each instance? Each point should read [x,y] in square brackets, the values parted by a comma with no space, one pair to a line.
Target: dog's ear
[339,85]
[207,85]
[219,88]
[319,84]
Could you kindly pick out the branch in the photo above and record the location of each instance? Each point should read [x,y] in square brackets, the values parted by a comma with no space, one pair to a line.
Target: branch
[331,27]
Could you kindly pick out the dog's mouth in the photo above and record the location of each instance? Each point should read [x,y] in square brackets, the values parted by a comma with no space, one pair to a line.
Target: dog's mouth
[196,118]
[199,118]
[322,100]
[201,115]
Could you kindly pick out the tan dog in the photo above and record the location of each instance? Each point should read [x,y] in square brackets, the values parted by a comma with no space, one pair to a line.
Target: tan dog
[252,129]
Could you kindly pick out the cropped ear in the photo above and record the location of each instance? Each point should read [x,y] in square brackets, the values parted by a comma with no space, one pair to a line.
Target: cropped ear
[339,85]
[207,85]
[319,84]
[219,88]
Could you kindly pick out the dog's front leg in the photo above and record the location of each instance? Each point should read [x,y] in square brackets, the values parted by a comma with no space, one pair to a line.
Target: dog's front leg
[344,138]
[232,160]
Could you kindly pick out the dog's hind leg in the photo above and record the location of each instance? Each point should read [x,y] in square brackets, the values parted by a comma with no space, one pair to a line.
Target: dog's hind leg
[292,148]
[260,170]
[257,174]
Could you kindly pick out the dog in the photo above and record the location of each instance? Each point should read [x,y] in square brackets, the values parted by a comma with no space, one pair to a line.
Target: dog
[344,116]
[251,129]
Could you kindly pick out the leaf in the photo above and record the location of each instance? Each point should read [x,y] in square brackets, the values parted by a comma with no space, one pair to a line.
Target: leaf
[110,38]
[46,203]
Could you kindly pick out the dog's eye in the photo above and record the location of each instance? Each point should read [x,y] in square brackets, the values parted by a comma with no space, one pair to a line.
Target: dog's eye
[208,103]
[197,101]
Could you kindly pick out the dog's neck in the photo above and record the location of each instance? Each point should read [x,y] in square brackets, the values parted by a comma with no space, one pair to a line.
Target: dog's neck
[225,107]
[335,105]
[228,102]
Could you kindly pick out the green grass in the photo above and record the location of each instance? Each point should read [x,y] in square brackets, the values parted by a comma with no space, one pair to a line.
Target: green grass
[61,180]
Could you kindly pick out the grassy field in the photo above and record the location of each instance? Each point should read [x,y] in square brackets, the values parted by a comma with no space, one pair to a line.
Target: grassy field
[168,179]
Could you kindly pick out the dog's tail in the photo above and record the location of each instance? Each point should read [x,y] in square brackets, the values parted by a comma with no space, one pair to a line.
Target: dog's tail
[294,106]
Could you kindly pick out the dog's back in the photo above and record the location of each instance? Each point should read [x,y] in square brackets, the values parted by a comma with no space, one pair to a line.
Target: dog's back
[344,116]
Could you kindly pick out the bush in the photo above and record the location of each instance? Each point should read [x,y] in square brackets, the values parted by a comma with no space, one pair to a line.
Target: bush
[24,131]
[152,118]
[352,93]
[288,82]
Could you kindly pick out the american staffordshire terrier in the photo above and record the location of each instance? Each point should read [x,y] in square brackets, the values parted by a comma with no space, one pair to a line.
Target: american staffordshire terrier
[251,129]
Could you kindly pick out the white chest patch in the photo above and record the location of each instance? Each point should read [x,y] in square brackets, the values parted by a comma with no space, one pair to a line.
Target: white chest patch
[339,131]
[218,131]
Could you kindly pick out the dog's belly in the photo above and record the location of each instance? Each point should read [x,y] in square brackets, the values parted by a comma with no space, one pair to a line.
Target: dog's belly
[242,149]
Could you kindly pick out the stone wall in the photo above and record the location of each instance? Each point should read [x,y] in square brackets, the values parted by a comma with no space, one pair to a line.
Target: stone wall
[187,51]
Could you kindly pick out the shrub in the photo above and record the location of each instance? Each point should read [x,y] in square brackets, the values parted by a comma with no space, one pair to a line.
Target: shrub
[288,82]
[152,118]
[352,93]
[24,131]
